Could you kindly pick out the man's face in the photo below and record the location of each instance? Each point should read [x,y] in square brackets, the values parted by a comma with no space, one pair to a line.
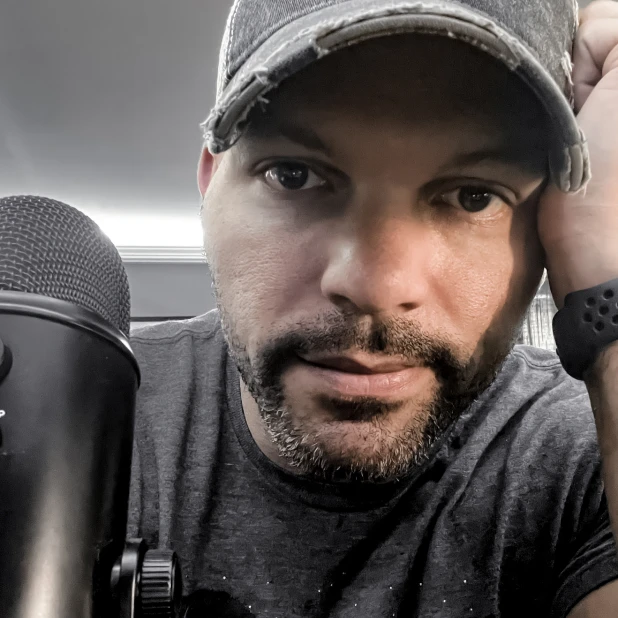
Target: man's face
[372,240]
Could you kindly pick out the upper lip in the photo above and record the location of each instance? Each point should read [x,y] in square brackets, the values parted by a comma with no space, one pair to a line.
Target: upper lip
[359,363]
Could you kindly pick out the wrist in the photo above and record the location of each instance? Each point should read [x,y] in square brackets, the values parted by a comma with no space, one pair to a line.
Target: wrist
[601,384]
[586,325]
[606,364]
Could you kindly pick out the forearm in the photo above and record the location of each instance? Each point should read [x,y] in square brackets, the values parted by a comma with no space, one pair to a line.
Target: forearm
[602,383]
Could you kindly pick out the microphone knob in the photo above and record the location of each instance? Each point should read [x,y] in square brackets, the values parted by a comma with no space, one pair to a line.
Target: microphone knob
[161,585]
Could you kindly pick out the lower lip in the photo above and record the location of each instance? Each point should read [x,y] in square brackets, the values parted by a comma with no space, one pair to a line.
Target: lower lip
[394,385]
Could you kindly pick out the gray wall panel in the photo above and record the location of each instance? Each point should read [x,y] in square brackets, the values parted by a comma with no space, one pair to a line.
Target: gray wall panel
[169,290]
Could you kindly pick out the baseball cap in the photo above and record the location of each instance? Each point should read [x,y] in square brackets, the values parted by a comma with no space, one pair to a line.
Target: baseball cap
[268,41]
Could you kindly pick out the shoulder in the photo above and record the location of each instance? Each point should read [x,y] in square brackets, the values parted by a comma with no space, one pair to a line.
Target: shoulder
[536,423]
[536,377]
[179,352]
[534,416]
[536,381]
[183,367]
[167,333]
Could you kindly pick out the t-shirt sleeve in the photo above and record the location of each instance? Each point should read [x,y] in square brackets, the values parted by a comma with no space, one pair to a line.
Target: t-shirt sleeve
[592,560]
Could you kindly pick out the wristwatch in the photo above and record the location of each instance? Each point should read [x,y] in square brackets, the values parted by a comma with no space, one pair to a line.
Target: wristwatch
[586,324]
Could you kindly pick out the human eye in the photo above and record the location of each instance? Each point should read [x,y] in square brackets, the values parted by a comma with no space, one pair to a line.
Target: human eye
[285,176]
[475,199]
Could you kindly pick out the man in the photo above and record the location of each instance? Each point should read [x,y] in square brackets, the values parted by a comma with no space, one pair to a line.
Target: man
[352,432]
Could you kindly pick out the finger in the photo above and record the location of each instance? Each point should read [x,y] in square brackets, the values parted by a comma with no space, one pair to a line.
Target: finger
[595,54]
[601,9]
[599,122]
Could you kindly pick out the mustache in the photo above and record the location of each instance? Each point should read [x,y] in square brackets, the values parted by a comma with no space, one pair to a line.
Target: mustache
[338,333]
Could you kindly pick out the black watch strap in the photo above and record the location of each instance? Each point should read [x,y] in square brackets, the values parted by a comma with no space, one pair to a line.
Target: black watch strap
[586,324]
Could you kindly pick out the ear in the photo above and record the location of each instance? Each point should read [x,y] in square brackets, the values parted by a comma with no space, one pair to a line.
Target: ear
[205,170]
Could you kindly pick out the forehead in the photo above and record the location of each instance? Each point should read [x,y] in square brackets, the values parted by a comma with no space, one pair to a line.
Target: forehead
[406,82]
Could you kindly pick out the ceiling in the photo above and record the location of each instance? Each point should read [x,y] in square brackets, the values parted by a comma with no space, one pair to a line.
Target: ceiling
[100,106]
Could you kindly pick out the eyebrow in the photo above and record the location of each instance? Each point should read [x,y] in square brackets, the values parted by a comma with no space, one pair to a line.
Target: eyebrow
[304,136]
[297,134]
[504,155]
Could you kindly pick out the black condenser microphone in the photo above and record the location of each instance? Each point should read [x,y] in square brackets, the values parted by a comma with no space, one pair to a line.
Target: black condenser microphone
[68,383]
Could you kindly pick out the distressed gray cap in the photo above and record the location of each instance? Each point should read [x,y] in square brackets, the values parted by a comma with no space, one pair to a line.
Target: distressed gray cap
[268,41]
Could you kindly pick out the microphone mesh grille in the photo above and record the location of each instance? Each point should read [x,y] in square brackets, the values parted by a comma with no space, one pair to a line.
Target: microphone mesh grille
[54,250]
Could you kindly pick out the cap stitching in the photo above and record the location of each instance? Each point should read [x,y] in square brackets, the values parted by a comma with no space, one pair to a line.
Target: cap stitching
[232,31]
[566,64]
[224,53]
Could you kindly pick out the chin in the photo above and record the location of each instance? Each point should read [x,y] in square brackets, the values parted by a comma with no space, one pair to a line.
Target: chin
[343,440]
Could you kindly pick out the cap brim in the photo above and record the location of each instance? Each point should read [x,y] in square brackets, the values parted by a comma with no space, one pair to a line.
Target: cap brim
[313,36]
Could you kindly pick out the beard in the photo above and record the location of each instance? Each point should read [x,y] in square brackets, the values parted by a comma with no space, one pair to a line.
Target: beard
[392,454]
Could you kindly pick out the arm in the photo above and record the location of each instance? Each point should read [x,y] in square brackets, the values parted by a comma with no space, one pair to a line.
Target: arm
[601,603]
[580,236]
[602,383]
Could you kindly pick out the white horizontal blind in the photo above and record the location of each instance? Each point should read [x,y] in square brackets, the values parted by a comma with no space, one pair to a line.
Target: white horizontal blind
[537,328]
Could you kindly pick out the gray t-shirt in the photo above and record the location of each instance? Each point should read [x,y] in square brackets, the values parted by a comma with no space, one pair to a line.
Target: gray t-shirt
[507,519]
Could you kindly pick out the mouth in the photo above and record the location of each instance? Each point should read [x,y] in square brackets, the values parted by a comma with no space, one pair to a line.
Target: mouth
[363,376]
[347,364]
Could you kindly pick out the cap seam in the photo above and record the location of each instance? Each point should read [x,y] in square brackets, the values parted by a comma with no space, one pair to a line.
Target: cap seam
[237,4]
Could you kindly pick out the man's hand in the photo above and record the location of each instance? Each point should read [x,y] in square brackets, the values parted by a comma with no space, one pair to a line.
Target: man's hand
[580,232]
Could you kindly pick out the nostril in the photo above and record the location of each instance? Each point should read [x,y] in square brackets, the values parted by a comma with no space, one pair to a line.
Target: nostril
[344,304]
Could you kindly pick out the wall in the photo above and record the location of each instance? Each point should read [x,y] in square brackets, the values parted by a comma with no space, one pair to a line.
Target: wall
[175,290]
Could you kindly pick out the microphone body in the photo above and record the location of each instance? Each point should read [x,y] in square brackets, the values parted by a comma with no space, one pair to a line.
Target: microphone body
[68,383]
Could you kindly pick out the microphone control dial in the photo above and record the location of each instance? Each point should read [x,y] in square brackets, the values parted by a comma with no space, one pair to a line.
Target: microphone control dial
[161,585]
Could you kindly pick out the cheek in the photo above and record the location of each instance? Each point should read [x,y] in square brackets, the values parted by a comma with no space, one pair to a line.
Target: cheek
[263,264]
[491,276]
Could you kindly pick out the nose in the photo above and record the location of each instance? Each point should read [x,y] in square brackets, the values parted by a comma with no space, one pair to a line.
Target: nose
[379,265]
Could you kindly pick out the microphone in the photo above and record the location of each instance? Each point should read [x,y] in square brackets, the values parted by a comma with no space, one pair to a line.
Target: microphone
[68,384]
